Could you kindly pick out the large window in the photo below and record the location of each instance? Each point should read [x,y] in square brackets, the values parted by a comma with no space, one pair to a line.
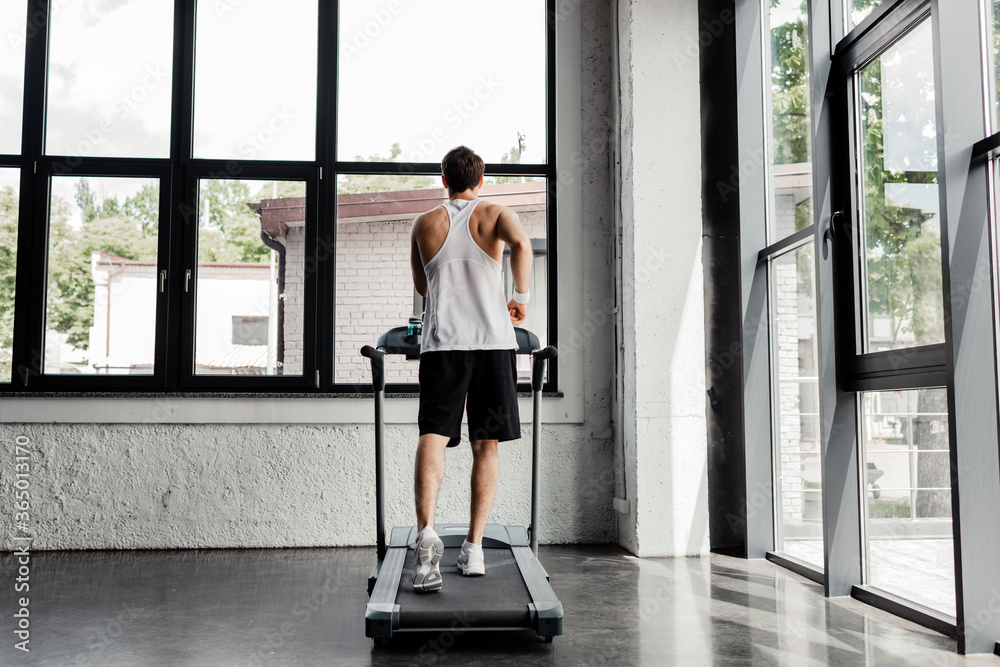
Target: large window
[101,102]
[797,475]
[868,199]
[907,487]
[199,219]
[488,93]
[100,315]
[250,283]
[901,274]
[13,23]
[797,456]
[255,80]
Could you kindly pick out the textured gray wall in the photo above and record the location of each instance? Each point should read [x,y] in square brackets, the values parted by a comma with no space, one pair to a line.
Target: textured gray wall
[166,486]
[149,485]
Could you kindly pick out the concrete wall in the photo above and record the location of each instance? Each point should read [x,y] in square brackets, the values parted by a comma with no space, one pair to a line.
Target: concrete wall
[138,486]
[229,472]
[662,317]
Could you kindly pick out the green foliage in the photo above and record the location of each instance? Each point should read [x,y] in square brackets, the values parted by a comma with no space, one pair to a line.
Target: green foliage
[144,208]
[348,185]
[228,231]
[904,267]
[8,264]
[513,156]
[903,244]
[883,509]
[106,227]
[790,90]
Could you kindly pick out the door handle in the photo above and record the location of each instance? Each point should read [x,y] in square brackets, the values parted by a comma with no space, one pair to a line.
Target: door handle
[830,234]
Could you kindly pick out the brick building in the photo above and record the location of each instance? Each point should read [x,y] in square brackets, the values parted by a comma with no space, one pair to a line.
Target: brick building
[250,316]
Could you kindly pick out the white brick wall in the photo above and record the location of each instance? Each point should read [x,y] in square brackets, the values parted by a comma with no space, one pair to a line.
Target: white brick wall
[786,322]
[294,299]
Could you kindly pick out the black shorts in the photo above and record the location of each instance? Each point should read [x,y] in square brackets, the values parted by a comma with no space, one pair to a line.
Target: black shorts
[487,377]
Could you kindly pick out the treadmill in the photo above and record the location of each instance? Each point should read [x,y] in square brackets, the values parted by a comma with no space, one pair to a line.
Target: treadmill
[514,594]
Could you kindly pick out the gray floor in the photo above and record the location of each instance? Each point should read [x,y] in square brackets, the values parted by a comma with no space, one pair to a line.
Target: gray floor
[305,607]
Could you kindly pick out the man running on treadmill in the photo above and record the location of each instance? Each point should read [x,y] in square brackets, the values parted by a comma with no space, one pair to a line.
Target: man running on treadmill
[467,350]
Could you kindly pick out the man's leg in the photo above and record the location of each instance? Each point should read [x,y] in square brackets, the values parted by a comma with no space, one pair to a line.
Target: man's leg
[427,476]
[485,471]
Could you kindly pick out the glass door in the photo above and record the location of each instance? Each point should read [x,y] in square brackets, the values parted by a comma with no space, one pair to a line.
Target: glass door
[894,313]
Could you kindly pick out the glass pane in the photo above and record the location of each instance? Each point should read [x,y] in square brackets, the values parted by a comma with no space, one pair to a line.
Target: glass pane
[9,184]
[860,9]
[109,83]
[13,22]
[431,97]
[374,283]
[793,366]
[993,30]
[791,173]
[255,80]
[908,496]
[902,231]
[250,293]
[100,315]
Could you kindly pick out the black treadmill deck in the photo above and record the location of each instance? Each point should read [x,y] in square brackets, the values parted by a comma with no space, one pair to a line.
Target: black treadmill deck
[497,599]
[514,593]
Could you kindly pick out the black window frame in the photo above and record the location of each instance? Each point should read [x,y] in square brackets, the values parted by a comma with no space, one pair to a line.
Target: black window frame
[913,367]
[179,177]
[18,161]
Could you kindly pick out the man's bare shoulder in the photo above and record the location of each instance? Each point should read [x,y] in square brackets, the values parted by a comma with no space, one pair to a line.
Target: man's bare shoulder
[492,210]
[429,220]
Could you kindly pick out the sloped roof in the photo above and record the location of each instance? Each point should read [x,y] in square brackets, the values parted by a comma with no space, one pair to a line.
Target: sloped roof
[240,356]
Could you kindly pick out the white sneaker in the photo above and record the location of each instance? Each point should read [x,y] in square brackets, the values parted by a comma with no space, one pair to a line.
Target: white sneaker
[471,561]
[426,572]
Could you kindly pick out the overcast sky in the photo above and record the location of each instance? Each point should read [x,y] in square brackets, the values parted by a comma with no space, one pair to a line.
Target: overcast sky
[12,24]
[429,74]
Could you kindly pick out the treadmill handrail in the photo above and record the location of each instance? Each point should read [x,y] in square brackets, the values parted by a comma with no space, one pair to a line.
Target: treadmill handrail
[538,359]
[377,357]
[396,341]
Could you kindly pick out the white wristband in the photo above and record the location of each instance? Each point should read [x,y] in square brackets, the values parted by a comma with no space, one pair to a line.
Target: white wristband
[521,298]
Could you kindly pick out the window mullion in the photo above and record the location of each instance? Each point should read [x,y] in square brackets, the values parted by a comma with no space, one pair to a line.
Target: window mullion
[30,288]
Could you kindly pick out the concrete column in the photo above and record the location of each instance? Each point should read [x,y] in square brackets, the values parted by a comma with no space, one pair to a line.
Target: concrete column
[662,313]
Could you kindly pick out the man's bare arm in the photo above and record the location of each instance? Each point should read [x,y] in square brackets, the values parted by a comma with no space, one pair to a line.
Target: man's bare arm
[416,265]
[511,232]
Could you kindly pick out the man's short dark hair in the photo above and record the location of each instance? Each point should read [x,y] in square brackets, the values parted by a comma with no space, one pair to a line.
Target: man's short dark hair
[462,169]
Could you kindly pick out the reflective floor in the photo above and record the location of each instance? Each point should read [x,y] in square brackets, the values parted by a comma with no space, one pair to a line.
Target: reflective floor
[919,570]
[305,607]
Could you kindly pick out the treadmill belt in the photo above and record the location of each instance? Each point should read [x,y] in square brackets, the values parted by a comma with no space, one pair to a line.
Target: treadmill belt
[497,599]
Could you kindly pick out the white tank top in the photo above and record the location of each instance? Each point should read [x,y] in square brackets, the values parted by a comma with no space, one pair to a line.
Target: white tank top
[466,305]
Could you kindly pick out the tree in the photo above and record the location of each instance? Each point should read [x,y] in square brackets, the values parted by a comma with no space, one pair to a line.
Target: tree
[105,226]
[513,156]
[790,119]
[228,231]
[904,245]
[357,184]
[8,268]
